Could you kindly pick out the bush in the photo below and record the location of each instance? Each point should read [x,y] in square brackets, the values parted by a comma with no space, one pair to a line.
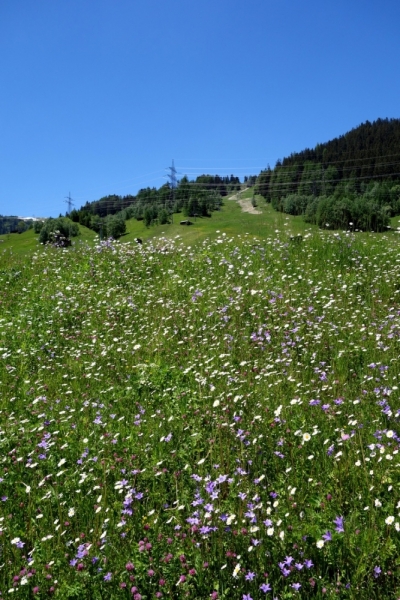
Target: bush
[115,226]
[37,227]
[63,226]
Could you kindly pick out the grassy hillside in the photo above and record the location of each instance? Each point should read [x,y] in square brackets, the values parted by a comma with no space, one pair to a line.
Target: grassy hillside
[14,246]
[218,421]
[231,220]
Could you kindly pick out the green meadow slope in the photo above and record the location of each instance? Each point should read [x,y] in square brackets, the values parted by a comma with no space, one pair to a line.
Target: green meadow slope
[233,218]
[212,421]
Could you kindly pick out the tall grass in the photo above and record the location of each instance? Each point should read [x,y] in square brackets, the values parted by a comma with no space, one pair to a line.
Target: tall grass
[218,422]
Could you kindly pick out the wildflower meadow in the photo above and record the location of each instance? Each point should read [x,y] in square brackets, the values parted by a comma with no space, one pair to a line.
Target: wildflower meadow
[218,421]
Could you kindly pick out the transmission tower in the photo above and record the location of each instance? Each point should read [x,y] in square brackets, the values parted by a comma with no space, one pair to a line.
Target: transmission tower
[172,178]
[68,200]
[172,175]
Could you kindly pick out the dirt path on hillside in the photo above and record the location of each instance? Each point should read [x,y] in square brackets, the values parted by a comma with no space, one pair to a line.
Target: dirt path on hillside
[245,204]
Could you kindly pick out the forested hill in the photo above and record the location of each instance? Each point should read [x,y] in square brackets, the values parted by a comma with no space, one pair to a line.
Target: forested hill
[353,179]
[369,151]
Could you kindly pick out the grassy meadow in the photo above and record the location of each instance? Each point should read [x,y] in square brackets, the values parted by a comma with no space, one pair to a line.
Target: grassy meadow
[210,420]
[231,219]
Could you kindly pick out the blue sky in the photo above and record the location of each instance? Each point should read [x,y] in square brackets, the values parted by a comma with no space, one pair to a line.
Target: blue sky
[97,97]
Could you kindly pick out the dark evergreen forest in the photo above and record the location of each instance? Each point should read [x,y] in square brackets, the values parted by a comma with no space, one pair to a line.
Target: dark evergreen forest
[351,180]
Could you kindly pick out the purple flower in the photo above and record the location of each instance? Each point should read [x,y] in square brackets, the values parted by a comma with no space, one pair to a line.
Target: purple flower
[265,587]
[296,586]
[308,563]
[327,536]
[247,597]
[377,571]
[108,577]
[250,576]
[339,524]
[205,530]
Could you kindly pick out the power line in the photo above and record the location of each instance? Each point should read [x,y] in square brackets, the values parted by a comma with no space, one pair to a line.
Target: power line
[281,185]
[201,187]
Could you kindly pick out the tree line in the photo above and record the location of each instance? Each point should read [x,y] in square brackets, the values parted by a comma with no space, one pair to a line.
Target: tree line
[200,197]
[352,179]
[14,225]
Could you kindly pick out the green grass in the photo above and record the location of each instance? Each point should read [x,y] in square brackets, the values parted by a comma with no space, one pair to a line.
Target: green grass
[230,219]
[15,246]
[176,417]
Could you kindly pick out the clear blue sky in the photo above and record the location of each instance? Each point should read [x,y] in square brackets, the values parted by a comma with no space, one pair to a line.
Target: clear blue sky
[97,97]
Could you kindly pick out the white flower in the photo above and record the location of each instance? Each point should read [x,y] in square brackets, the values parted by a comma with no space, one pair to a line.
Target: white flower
[216,403]
[62,462]
[378,503]
[397,526]
[201,461]
[389,433]
[71,512]
[306,437]
[389,457]
[270,531]
[358,463]
[389,520]
[282,535]
[236,570]
[15,541]
[254,529]
[230,519]
[320,544]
